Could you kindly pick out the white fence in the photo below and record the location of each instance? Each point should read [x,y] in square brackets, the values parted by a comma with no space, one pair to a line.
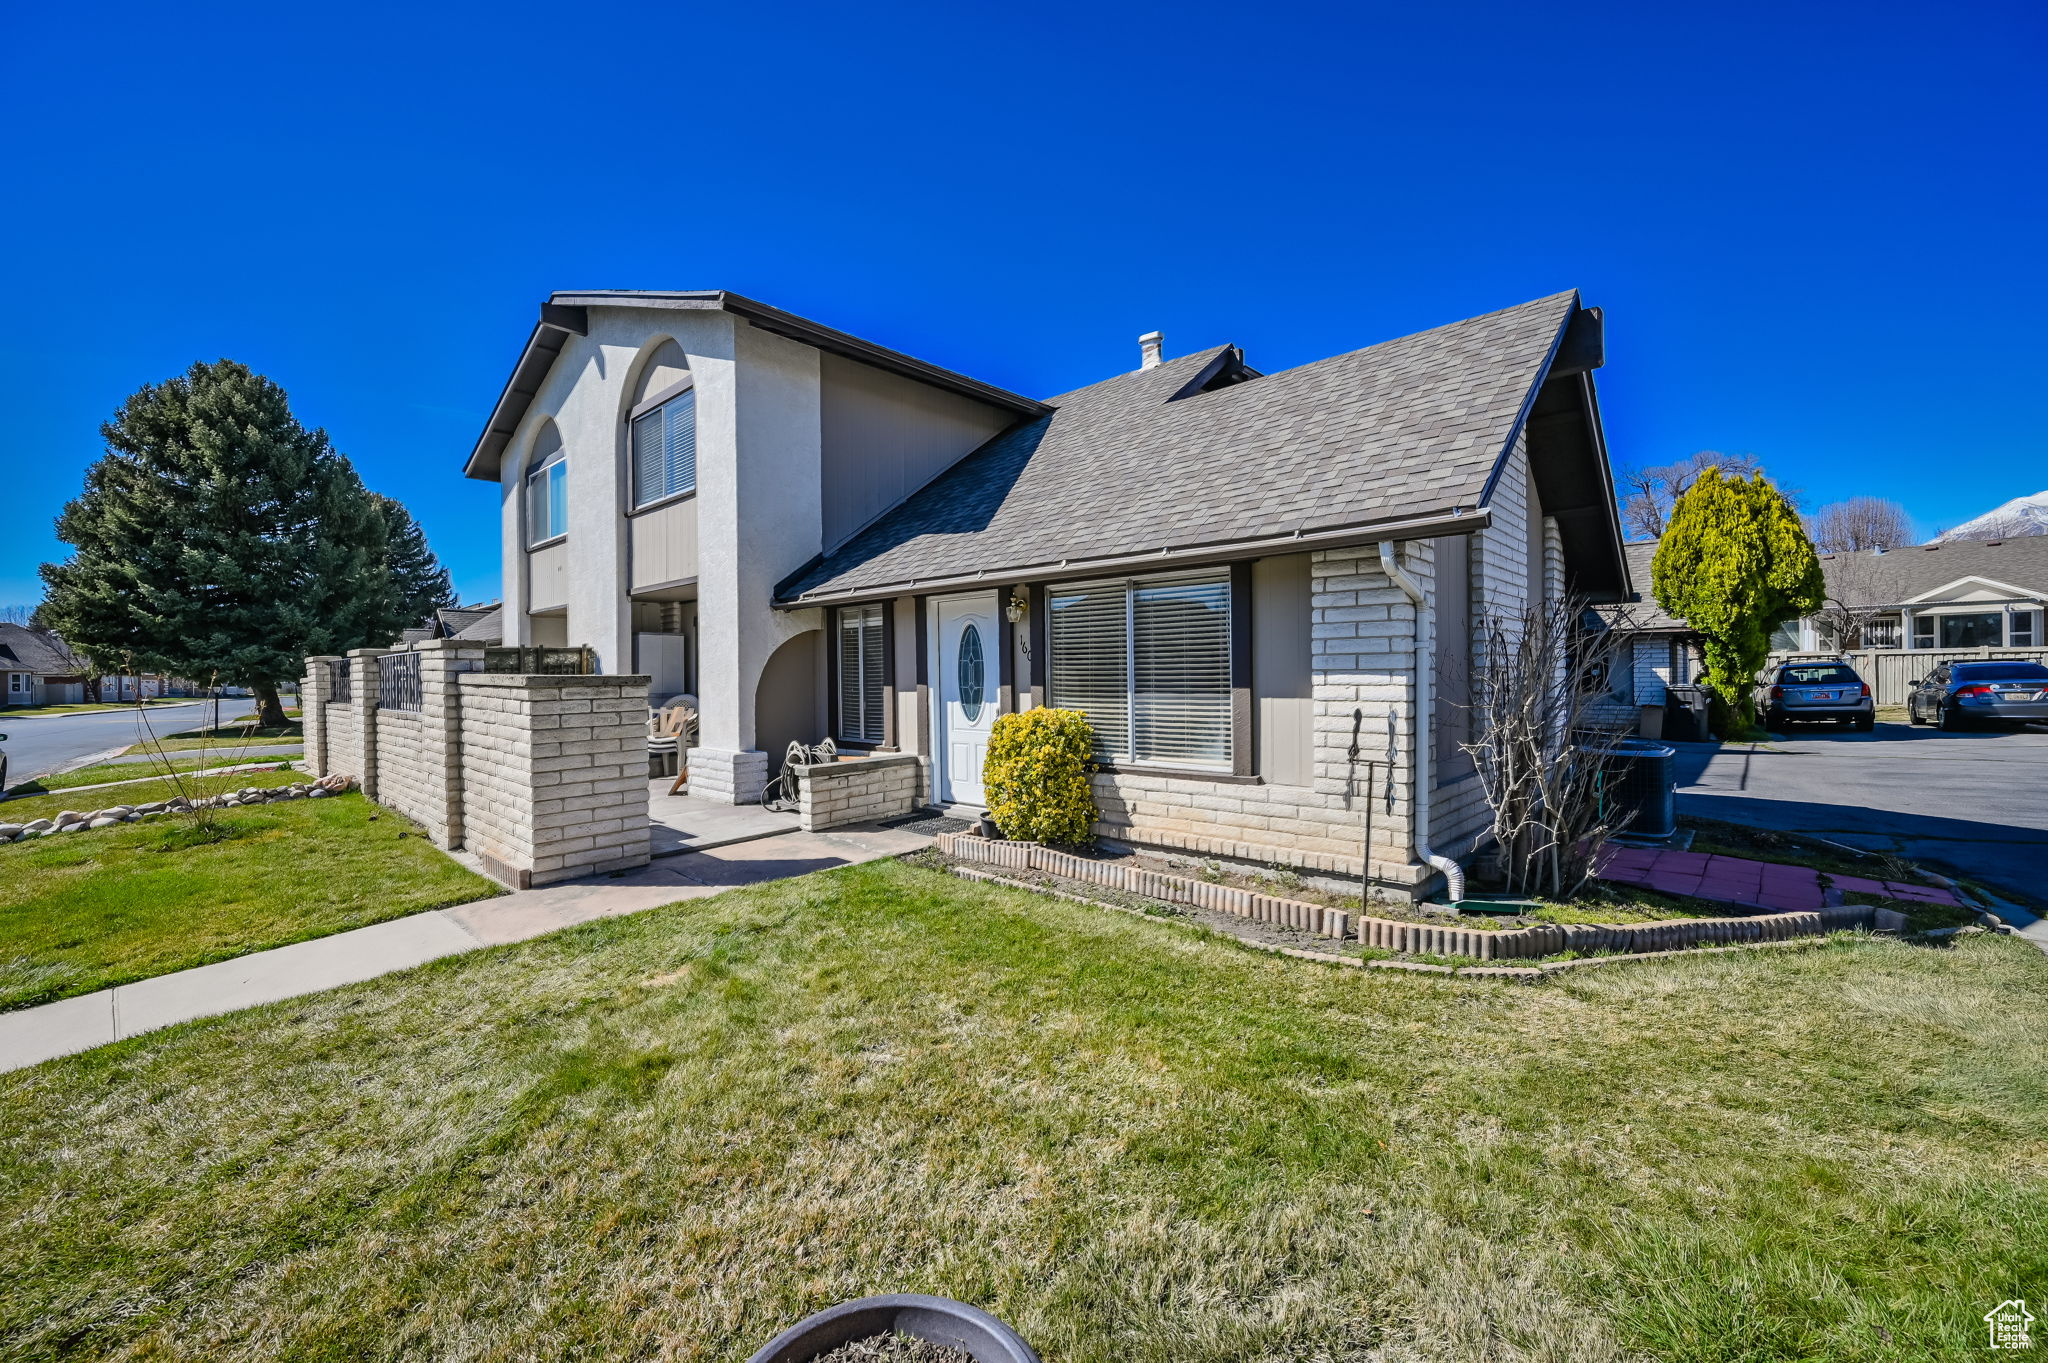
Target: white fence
[1893,672]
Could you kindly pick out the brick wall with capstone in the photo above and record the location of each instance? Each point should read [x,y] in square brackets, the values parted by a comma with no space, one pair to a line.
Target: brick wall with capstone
[316,689]
[419,752]
[554,773]
[869,790]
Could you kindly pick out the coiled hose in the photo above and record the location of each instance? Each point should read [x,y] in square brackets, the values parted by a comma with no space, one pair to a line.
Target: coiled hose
[780,793]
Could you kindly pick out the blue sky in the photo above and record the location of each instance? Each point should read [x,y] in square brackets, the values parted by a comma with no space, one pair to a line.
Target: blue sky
[1817,230]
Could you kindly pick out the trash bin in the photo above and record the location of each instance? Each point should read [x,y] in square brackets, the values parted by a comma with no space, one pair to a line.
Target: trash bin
[1639,793]
[1685,714]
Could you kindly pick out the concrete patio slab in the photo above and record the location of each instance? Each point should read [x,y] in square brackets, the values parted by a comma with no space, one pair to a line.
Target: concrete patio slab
[681,823]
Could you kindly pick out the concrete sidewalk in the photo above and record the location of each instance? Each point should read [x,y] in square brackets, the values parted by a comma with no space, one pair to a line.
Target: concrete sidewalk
[32,1035]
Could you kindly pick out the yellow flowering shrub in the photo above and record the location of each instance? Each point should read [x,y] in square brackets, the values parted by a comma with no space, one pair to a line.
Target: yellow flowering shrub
[1036,776]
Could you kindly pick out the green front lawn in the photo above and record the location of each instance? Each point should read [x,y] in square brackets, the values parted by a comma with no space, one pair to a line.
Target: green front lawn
[102,772]
[83,911]
[669,1135]
[227,736]
[85,707]
[28,808]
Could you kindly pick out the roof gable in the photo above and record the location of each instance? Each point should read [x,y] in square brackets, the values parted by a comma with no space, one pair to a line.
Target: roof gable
[1959,590]
[567,314]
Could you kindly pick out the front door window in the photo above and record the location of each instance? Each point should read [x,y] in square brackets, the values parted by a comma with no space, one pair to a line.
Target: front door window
[970,673]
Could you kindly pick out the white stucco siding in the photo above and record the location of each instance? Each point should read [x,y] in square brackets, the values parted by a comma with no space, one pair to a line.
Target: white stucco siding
[587,394]
[885,436]
[759,520]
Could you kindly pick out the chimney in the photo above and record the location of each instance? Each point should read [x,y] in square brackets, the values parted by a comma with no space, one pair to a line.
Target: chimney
[1150,345]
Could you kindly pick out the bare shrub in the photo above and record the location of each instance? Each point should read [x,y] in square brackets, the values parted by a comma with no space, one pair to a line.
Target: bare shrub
[1542,761]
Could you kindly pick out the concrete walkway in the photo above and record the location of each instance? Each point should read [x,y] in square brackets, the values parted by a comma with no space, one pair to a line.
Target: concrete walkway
[32,1035]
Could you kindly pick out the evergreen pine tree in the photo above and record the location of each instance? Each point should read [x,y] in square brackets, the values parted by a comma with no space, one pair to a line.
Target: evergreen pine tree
[1735,563]
[423,586]
[219,539]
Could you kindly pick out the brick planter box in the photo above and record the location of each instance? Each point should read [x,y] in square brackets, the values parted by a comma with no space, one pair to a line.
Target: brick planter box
[864,790]
[1544,939]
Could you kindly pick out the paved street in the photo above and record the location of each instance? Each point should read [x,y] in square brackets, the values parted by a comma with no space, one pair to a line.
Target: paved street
[1973,804]
[38,745]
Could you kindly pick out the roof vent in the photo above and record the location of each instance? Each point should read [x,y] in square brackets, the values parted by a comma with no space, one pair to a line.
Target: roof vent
[1151,346]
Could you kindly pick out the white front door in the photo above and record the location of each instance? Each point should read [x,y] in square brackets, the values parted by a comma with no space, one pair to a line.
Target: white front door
[966,672]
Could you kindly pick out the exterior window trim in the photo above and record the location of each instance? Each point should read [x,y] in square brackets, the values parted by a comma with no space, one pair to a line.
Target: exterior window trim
[535,496]
[635,507]
[885,643]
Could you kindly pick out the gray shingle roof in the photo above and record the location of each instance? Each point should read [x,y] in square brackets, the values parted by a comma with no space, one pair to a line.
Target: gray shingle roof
[1405,429]
[46,655]
[1886,579]
[488,627]
[1898,575]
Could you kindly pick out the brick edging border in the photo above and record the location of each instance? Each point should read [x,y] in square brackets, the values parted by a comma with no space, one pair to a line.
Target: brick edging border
[1528,974]
[1544,939]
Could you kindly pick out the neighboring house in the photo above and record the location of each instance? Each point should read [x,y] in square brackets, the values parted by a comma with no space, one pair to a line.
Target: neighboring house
[1263,588]
[1948,595]
[477,623]
[1656,650]
[38,668]
[1892,612]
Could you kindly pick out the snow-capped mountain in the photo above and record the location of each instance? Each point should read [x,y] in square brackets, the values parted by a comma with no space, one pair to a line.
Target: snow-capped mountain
[2020,516]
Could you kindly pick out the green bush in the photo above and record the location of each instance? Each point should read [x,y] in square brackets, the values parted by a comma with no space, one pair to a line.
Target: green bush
[1037,776]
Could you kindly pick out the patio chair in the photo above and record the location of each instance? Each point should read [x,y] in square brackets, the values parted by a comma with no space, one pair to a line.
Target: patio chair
[676,726]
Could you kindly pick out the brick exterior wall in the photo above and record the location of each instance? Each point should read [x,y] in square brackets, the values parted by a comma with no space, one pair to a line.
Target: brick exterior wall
[834,794]
[555,774]
[419,756]
[1501,558]
[1363,636]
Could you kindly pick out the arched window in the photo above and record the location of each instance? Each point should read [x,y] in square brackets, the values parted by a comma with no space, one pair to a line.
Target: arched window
[663,431]
[547,489]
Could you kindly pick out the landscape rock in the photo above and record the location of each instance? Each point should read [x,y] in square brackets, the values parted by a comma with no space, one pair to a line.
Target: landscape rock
[10,831]
[38,825]
[104,821]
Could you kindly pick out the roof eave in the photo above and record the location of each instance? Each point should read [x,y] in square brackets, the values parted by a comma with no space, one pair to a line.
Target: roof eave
[558,322]
[816,334]
[1195,555]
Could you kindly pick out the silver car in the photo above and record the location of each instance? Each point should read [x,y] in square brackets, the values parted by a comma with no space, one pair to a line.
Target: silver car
[1960,695]
[1818,691]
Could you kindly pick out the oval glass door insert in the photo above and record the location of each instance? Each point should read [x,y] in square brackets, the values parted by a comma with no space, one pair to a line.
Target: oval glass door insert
[970,673]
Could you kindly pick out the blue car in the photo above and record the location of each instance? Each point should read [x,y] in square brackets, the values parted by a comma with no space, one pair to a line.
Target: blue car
[1963,695]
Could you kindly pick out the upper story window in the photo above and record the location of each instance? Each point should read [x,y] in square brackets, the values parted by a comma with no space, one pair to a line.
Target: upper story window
[665,449]
[547,491]
[1148,659]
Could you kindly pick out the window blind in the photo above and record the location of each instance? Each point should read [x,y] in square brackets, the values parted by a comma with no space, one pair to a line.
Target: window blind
[664,452]
[860,674]
[1181,649]
[1090,668]
[1149,663]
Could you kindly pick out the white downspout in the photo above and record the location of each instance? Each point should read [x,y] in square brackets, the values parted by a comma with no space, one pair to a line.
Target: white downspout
[1425,667]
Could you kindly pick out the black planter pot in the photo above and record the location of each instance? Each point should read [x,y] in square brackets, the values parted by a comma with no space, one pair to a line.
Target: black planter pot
[937,1320]
[988,828]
